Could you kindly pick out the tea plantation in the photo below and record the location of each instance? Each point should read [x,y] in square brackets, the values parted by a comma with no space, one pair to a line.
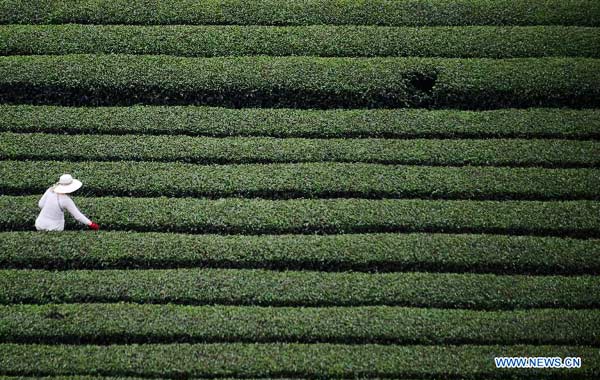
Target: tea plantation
[314,189]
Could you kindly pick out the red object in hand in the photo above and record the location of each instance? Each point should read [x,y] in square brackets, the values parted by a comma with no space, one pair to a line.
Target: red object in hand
[94,226]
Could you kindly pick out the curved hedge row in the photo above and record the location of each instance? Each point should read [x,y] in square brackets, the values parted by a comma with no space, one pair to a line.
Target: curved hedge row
[214,150]
[292,12]
[279,359]
[222,122]
[312,180]
[358,252]
[258,216]
[131,323]
[301,288]
[301,81]
[322,40]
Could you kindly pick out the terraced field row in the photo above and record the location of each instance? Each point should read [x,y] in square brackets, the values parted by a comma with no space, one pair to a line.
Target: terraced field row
[404,123]
[314,82]
[132,323]
[299,288]
[291,12]
[259,216]
[280,360]
[322,40]
[307,180]
[205,150]
[358,252]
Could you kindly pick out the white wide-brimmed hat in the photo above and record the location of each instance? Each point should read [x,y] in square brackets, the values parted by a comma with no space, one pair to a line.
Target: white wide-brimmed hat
[66,184]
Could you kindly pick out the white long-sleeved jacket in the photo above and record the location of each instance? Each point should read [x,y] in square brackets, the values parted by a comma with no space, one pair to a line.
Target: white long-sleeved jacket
[51,217]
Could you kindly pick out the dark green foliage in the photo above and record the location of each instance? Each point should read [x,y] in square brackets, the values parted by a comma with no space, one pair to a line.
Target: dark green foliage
[74,377]
[310,180]
[280,359]
[322,40]
[299,288]
[255,216]
[131,323]
[222,122]
[210,150]
[363,252]
[451,217]
[307,12]
[301,81]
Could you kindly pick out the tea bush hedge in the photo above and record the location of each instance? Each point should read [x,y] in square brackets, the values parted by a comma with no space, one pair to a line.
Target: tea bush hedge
[74,377]
[221,122]
[134,323]
[308,180]
[214,150]
[359,252]
[301,81]
[292,12]
[299,288]
[322,40]
[280,359]
[256,216]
